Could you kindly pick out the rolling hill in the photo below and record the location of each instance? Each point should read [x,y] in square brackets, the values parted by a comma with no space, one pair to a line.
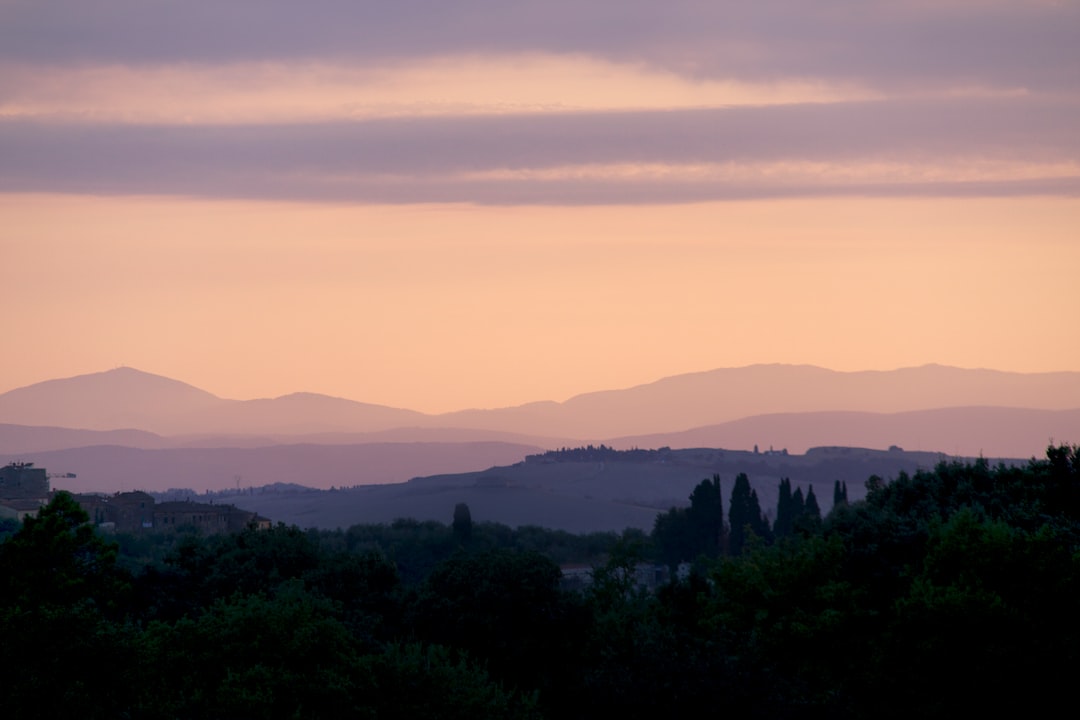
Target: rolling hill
[583,496]
[126,398]
[125,428]
[109,468]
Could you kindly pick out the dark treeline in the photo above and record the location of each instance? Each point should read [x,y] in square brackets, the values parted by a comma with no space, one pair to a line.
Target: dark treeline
[943,593]
[700,531]
[600,453]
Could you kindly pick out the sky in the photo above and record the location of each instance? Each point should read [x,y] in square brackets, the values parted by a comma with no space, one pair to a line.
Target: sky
[442,205]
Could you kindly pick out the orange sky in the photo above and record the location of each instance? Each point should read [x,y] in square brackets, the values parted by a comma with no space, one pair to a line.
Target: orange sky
[442,307]
[518,207]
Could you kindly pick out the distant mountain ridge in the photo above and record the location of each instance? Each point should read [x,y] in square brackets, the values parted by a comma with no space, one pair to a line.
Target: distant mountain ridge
[109,468]
[119,399]
[992,432]
[785,405]
[126,398]
[693,400]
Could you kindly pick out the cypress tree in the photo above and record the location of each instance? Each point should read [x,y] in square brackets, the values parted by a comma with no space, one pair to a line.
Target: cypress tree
[744,511]
[785,515]
[798,506]
[809,521]
[706,516]
[759,524]
[839,494]
[812,511]
[462,523]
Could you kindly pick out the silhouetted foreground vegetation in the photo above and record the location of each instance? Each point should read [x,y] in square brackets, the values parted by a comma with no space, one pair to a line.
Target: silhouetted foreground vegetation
[942,594]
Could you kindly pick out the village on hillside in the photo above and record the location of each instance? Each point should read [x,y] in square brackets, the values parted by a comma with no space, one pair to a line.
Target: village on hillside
[24,489]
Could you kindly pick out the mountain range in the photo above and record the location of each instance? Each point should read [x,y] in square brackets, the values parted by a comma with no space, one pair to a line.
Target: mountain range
[92,425]
[126,398]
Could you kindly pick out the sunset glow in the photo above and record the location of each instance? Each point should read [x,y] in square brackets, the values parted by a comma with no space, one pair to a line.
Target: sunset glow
[260,93]
[518,208]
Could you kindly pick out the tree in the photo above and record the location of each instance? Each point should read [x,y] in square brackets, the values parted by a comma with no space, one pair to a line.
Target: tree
[706,517]
[247,562]
[798,505]
[61,596]
[785,510]
[671,537]
[839,494]
[813,510]
[503,608]
[809,521]
[413,681]
[58,558]
[277,655]
[682,534]
[745,515]
[462,523]
[758,522]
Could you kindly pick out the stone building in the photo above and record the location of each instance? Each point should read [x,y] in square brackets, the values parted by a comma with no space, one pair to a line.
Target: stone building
[205,517]
[129,511]
[23,481]
[23,490]
[137,511]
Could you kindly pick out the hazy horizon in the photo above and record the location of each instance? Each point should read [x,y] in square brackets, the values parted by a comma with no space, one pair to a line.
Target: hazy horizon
[448,207]
[796,407]
[556,400]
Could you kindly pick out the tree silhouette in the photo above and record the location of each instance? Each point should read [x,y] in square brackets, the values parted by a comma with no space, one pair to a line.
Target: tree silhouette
[744,515]
[682,534]
[839,495]
[462,523]
[785,511]
[706,517]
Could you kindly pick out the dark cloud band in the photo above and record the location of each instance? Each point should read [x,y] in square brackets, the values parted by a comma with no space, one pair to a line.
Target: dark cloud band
[880,42]
[455,158]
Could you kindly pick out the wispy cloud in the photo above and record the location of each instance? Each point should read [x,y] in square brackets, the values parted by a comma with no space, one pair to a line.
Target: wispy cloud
[265,93]
[559,102]
[1005,145]
[1027,43]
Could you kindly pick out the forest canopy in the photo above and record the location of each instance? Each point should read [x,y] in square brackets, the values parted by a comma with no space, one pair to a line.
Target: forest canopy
[948,591]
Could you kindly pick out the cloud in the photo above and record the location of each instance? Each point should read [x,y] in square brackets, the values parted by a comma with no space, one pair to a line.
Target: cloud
[934,146]
[614,101]
[884,43]
[250,93]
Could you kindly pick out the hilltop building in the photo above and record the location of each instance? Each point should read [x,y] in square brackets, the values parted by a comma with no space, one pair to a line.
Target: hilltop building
[205,517]
[129,511]
[137,512]
[24,489]
[23,481]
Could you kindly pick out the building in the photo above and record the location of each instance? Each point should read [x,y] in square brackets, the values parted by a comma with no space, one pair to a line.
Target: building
[23,490]
[23,481]
[205,517]
[129,511]
[137,511]
[19,509]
